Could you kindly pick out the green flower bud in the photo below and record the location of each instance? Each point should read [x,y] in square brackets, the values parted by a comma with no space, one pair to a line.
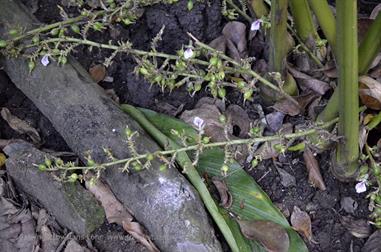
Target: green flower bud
[222,92]
[13,32]
[197,87]
[36,39]
[214,61]
[3,43]
[162,167]
[240,84]
[150,157]
[42,167]
[54,32]
[205,140]
[254,163]
[224,169]
[73,177]
[190,5]
[31,65]
[143,71]
[48,162]
[222,119]
[90,162]
[75,28]
[62,59]
[247,95]
[128,132]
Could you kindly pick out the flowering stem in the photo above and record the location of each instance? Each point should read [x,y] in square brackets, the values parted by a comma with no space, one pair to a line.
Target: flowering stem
[250,141]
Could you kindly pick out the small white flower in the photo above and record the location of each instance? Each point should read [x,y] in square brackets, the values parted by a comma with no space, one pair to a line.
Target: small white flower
[188,53]
[256,25]
[113,130]
[361,187]
[45,60]
[199,122]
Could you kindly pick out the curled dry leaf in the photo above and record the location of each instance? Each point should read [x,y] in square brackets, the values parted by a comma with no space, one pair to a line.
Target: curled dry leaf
[116,213]
[219,44]
[236,32]
[370,92]
[314,175]
[271,235]
[275,120]
[98,72]
[225,196]
[306,81]
[20,126]
[359,228]
[375,11]
[301,222]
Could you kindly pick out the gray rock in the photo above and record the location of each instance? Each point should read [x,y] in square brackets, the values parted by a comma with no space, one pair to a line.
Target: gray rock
[72,205]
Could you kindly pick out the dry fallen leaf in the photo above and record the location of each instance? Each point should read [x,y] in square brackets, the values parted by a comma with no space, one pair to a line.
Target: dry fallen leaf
[20,126]
[236,32]
[359,228]
[238,118]
[314,175]
[306,81]
[97,72]
[271,235]
[370,92]
[225,196]
[116,213]
[301,222]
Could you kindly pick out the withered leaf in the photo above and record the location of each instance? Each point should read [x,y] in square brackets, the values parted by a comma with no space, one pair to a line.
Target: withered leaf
[287,107]
[236,32]
[225,196]
[301,222]
[20,126]
[219,44]
[370,92]
[116,213]
[271,235]
[314,175]
[97,72]
[359,228]
[275,120]
[375,11]
[305,80]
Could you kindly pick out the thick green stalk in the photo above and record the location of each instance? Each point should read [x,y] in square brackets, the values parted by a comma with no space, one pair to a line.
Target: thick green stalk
[326,19]
[259,7]
[278,36]
[347,58]
[304,24]
[367,51]
[370,46]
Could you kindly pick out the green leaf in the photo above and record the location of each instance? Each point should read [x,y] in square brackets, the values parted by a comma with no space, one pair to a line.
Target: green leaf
[250,202]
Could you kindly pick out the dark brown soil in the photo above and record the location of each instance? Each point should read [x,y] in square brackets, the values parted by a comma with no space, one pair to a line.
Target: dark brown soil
[205,22]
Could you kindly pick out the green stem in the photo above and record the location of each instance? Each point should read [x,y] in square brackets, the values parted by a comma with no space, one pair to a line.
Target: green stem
[303,20]
[259,7]
[367,51]
[250,141]
[191,172]
[326,19]
[278,35]
[370,46]
[241,12]
[347,58]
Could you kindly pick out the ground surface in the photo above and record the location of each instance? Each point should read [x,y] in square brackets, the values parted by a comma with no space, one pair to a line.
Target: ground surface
[205,23]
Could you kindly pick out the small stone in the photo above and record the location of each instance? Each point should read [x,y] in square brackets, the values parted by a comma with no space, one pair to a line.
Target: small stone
[286,179]
[348,204]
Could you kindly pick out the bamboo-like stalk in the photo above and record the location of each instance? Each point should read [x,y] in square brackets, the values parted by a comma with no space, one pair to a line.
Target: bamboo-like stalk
[367,51]
[347,58]
[302,15]
[326,19]
[370,46]
[278,35]
[259,7]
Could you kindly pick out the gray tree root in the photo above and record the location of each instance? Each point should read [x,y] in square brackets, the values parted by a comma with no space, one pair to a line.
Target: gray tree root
[164,202]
